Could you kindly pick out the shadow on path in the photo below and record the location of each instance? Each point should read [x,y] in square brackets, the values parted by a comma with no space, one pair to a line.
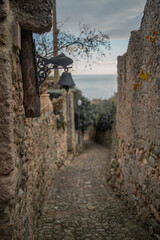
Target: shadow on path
[80,205]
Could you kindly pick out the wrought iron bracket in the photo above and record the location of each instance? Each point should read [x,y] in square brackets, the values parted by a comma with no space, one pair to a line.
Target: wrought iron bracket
[43,65]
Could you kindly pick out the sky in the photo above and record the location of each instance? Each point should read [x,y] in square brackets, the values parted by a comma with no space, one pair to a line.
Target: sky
[116,17]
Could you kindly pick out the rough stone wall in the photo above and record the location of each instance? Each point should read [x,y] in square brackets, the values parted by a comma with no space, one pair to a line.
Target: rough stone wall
[31,150]
[41,149]
[65,107]
[33,15]
[60,106]
[8,170]
[70,122]
[138,121]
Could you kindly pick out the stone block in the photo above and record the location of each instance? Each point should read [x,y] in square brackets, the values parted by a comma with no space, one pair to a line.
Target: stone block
[8,186]
[156,237]
[16,35]
[152,161]
[155,226]
[6,231]
[3,34]
[6,161]
[3,10]
[33,15]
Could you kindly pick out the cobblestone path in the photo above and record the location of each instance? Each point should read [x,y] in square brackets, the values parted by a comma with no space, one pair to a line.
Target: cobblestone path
[81,206]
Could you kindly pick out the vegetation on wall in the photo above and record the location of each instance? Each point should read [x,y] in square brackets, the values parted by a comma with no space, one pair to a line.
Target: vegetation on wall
[55,93]
[60,122]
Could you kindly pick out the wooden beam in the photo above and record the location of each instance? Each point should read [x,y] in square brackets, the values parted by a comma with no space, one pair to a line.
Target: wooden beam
[31,99]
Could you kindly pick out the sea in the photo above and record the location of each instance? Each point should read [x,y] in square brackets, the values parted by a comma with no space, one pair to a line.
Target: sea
[96,86]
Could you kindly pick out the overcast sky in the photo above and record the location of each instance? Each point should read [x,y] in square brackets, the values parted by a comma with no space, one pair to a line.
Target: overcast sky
[116,17]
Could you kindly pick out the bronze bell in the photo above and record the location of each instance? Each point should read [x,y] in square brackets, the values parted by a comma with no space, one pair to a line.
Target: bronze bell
[66,81]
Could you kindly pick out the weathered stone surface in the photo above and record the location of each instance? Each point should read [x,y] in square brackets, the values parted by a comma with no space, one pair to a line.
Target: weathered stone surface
[16,35]
[3,9]
[152,161]
[6,122]
[7,157]
[138,120]
[3,34]
[31,151]
[6,231]
[3,12]
[70,122]
[8,186]
[6,161]
[33,15]
[41,151]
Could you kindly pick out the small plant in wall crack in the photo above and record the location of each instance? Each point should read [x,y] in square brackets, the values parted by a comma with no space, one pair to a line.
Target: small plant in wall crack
[152,37]
[143,76]
[135,85]
[60,122]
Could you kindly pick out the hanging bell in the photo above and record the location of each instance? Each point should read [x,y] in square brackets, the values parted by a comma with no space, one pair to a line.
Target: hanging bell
[66,81]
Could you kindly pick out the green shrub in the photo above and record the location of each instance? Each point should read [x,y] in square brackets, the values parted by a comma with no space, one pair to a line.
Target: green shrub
[84,115]
[55,93]
[104,122]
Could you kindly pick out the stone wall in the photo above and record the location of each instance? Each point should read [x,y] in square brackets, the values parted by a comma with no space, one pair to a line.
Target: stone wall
[137,173]
[31,150]
[66,102]
[8,171]
[70,122]
[41,150]
[32,15]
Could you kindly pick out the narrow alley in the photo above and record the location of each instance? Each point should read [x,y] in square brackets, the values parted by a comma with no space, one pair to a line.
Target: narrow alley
[81,206]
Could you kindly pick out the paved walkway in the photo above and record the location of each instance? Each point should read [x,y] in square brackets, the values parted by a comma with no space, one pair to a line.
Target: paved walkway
[81,206]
